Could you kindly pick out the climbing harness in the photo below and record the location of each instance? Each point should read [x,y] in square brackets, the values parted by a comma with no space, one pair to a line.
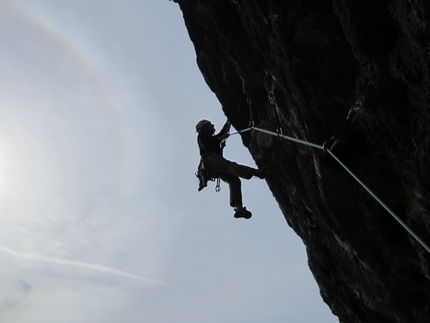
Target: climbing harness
[328,146]
[204,176]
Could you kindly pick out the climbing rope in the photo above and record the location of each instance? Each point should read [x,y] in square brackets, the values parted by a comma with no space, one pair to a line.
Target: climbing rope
[394,215]
[329,151]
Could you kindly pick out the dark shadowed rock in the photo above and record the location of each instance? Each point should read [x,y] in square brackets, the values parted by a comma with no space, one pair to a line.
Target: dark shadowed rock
[320,57]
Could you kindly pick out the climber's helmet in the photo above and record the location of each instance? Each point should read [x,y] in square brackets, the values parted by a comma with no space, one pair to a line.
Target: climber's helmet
[201,124]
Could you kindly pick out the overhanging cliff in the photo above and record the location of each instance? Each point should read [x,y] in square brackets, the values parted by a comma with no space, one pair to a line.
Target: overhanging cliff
[320,57]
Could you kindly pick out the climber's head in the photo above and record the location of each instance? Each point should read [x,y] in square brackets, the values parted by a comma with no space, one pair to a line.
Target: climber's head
[205,126]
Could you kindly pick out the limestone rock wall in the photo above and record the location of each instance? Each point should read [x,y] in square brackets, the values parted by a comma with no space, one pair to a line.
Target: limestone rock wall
[320,57]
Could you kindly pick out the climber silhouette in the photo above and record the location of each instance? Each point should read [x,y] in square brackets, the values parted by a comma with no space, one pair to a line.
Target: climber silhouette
[213,162]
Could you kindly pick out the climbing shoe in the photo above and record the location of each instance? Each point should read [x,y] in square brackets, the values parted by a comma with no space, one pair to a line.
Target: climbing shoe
[262,172]
[242,213]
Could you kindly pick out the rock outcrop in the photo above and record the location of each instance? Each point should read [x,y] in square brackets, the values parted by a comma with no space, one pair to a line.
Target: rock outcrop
[320,57]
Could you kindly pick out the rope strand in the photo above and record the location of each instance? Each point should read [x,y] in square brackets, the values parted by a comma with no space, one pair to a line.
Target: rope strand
[394,215]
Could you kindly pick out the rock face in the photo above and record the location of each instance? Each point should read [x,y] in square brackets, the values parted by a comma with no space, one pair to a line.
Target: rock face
[319,57]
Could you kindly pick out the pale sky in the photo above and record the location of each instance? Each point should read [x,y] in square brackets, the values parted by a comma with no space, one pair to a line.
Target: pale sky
[100,217]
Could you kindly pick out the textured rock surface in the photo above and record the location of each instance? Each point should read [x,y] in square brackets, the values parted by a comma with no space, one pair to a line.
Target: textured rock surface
[324,56]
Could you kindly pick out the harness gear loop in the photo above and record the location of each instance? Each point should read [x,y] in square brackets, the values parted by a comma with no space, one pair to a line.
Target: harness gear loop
[218,185]
[204,176]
